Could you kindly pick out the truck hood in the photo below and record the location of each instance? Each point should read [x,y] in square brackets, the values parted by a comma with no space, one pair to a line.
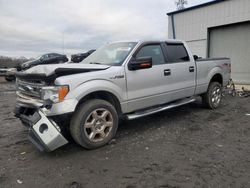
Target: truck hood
[49,73]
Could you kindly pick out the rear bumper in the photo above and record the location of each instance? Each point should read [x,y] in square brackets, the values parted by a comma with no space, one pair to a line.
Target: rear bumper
[44,133]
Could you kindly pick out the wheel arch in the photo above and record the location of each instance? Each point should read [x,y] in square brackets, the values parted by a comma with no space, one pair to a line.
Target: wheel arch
[104,95]
[217,77]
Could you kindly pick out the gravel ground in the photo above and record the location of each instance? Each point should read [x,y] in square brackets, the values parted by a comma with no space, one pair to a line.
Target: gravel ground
[184,147]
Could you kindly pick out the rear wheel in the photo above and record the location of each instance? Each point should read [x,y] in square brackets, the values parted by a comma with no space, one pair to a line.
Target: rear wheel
[94,123]
[212,98]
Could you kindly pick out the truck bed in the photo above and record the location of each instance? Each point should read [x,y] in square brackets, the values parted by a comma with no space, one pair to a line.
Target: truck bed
[211,66]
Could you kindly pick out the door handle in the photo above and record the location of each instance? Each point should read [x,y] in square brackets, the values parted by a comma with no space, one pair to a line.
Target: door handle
[167,72]
[191,69]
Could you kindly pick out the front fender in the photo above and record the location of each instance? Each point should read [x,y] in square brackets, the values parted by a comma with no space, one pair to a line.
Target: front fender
[74,96]
[98,85]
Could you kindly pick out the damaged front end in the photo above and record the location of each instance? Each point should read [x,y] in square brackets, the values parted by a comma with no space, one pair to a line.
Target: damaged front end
[32,110]
[45,107]
[44,133]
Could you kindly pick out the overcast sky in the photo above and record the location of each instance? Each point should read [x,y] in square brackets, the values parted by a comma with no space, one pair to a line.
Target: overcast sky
[32,27]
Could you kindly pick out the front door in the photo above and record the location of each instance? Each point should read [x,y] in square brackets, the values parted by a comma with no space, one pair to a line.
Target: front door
[146,87]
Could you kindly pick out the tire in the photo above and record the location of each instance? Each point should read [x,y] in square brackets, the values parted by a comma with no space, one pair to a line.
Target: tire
[213,97]
[94,123]
[8,79]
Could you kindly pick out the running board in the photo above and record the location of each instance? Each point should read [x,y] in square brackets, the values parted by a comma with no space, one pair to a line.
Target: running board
[159,108]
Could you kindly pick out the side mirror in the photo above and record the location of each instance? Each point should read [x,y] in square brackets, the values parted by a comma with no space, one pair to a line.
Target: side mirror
[195,57]
[140,63]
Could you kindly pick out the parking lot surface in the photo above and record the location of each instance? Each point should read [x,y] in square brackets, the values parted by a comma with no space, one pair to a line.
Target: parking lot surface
[187,146]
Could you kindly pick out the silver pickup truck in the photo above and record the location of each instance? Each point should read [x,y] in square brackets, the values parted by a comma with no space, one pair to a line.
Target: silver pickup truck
[119,80]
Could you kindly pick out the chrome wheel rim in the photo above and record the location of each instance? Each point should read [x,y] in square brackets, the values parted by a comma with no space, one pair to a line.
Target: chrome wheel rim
[98,125]
[216,96]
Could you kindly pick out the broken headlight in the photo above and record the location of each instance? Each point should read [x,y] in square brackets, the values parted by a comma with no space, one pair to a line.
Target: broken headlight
[54,93]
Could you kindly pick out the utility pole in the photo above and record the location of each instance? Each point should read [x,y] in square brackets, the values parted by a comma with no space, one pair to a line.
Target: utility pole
[181,4]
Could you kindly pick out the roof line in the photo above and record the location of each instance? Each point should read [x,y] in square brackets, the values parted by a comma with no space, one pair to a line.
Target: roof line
[195,7]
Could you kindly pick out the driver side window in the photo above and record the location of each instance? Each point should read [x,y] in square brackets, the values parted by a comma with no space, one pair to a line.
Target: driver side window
[153,51]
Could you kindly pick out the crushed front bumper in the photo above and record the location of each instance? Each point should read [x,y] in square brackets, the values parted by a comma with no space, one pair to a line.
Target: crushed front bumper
[44,133]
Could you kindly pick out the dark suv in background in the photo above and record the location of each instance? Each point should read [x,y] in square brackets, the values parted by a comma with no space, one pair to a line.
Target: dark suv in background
[51,58]
[76,58]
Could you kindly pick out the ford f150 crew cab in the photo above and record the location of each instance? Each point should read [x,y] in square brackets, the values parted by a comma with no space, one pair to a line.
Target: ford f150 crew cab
[119,80]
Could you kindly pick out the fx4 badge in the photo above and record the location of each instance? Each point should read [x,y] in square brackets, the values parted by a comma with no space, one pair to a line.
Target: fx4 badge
[117,77]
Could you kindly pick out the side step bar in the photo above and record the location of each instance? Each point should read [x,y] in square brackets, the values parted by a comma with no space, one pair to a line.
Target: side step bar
[159,108]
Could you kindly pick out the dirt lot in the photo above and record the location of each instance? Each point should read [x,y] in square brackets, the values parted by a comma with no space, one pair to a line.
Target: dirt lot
[185,147]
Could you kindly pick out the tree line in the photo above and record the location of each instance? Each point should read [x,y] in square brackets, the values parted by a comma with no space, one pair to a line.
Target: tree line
[10,62]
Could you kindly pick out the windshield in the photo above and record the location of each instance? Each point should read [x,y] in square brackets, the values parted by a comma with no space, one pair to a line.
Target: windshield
[38,57]
[110,54]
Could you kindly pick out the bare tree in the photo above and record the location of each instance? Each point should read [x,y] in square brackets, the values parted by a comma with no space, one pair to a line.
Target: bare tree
[8,62]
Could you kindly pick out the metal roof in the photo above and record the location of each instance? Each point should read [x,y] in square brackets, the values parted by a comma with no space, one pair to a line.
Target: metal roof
[195,7]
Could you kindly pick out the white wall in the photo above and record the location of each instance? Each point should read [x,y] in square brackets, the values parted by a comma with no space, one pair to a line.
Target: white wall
[192,25]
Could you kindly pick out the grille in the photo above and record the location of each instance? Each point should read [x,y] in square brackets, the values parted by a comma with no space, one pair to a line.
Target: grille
[31,89]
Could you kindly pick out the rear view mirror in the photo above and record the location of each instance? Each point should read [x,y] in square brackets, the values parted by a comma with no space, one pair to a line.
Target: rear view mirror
[140,63]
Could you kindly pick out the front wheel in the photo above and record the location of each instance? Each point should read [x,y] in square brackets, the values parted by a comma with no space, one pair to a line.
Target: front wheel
[94,123]
[212,98]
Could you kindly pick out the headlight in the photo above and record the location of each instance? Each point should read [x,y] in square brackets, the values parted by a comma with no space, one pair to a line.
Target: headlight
[54,93]
[12,70]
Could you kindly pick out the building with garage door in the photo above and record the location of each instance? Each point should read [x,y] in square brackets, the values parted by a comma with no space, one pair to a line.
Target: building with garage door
[219,28]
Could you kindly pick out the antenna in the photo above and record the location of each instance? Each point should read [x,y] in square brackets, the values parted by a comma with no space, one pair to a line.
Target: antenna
[181,4]
[63,43]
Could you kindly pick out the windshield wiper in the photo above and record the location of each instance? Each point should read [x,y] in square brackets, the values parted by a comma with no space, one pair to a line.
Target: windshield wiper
[95,63]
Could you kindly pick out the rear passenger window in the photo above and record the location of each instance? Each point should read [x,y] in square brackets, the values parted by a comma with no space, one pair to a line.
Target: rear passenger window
[176,53]
[153,51]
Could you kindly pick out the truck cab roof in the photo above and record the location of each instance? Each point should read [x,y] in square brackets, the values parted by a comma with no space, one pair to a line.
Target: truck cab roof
[151,41]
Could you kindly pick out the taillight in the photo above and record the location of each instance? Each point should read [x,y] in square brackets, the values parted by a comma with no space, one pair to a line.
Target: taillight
[227,65]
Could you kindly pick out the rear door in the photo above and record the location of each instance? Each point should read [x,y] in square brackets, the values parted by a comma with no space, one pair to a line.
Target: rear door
[182,81]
